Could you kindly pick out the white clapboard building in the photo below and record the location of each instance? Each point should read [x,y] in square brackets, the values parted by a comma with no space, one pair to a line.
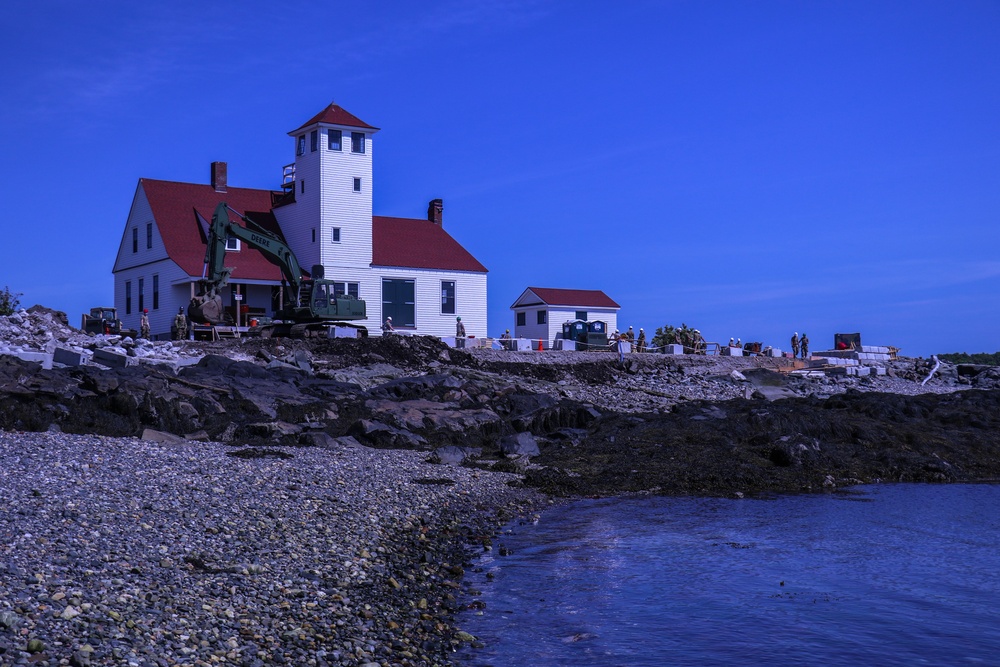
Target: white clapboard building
[410,269]
[539,313]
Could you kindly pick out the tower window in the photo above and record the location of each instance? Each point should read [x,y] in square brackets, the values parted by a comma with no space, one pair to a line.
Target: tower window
[335,235]
[313,141]
[357,142]
[314,235]
[357,184]
[302,186]
[334,140]
[300,145]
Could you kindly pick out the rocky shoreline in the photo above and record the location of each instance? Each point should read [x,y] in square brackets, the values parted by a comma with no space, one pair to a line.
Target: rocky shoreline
[259,502]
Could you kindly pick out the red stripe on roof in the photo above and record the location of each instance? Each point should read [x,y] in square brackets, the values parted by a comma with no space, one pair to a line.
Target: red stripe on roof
[420,244]
[574,297]
[335,115]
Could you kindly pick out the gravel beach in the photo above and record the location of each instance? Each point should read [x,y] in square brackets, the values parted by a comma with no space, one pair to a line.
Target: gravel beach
[118,551]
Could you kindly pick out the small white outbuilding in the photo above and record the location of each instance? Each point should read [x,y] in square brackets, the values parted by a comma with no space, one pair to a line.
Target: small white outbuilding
[539,313]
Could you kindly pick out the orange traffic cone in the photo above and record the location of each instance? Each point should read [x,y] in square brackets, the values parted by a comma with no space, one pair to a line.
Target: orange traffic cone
[540,348]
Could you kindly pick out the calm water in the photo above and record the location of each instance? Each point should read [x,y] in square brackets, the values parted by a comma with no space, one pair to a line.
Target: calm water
[906,574]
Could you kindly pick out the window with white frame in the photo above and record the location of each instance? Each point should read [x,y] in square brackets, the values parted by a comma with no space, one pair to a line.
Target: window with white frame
[300,145]
[448,297]
[542,316]
[522,319]
[149,235]
[313,141]
[334,140]
[232,243]
[128,297]
[357,142]
[357,184]
[335,235]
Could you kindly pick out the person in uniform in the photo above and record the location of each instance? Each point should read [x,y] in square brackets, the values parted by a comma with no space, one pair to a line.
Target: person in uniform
[795,344]
[505,339]
[144,324]
[805,345]
[180,323]
[387,326]
[641,343]
[459,328]
[630,337]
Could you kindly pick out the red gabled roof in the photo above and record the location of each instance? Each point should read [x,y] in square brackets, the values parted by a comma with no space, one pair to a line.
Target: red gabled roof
[419,244]
[335,115]
[176,207]
[590,298]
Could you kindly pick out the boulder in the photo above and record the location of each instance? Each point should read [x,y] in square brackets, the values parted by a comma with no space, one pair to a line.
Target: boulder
[522,444]
[452,455]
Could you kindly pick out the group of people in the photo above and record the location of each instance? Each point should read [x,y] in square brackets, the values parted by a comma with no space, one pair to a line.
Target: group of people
[635,344]
[800,344]
[180,325]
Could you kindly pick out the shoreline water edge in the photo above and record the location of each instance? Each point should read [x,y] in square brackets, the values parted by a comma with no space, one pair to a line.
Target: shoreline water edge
[315,502]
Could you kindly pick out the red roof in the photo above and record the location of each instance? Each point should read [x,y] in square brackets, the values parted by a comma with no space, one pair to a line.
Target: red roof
[176,207]
[335,115]
[590,298]
[419,244]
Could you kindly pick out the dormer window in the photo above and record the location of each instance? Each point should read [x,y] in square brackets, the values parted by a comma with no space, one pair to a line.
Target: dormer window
[334,140]
[232,243]
[300,145]
[357,142]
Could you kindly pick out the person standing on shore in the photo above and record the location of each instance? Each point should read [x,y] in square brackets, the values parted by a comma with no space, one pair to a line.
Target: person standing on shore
[459,328]
[180,323]
[805,345]
[795,344]
[630,335]
[641,343]
[387,326]
[144,324]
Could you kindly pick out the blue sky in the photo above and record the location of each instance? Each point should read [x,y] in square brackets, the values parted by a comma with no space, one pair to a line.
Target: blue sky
[750,169]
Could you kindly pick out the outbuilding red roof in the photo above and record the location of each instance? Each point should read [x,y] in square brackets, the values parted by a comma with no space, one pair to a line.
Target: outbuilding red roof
[419,244]
[335,115]
[176,207]
[573,297]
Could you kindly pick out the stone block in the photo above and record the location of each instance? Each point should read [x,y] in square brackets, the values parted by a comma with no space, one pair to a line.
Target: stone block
[728,351]
[342,332]
[773,352]
[878,370]
[521,344]
[67,357]
[42,358]
[110,359]
[673,349]
[864,371]
[561,344]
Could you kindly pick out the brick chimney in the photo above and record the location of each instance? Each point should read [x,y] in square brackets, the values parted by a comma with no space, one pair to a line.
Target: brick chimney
[219,176]
[435,210]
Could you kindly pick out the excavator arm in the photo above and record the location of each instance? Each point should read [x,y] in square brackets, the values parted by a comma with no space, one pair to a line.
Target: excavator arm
[207,307]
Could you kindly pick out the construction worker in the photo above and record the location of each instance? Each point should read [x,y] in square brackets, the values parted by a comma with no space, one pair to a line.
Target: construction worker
[641,343]
[181,325]
[805,345]
[387,326]
[144,324]
[795,344]
[630,337]
[505,339]
[459,328]
[698,343]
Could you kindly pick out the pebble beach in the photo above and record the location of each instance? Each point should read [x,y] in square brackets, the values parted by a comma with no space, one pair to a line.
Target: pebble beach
[120,551]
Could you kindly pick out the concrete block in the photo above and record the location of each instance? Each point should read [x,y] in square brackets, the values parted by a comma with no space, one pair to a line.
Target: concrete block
[561,344]
[864,371]
[521,344]
[110,359]
[341,332]
[42,358]
[878,370]
[774,352]
[67,357]
[732,351]
[673,349]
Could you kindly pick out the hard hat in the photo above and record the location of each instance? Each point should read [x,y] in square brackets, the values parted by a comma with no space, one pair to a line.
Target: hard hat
[641,329]
[145,310]
[458,319]
[181,309]
[389,318]
[796,333]
[508,330]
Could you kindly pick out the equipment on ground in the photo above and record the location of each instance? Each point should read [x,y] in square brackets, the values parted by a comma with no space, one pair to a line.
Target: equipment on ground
[104,320]
[847,341]
[587,335]
[312,305]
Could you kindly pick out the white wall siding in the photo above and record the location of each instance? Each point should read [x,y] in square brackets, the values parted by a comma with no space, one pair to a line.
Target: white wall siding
[470,300]
[298,220]
[342,207]
[139,216]
[172,295]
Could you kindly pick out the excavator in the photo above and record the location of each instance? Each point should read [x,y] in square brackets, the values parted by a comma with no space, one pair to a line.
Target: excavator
[311,304]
